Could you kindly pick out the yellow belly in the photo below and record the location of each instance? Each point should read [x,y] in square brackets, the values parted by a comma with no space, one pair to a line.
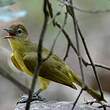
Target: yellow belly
[19,64]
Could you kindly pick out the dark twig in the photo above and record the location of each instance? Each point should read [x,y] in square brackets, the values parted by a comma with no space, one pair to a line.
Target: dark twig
[71,44]
[68,45]
[77,99]
[67,51]
[68,38]
[36,72]
[92,11]
[77,42]
[62,27]
[104,106]
[49,6]
[84,10]
[70,11]
[78,49]
[75,50]
[92,64]
[53,18]
[52,48]
[98,65]
[107,106]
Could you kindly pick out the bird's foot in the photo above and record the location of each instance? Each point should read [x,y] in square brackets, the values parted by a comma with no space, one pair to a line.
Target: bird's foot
[35,97]
[23,99]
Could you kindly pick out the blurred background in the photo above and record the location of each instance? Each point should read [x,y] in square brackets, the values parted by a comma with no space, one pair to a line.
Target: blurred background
[95,28]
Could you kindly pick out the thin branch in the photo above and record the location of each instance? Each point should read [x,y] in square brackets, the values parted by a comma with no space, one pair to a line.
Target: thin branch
[67,36]
[75,50]
[36,72]
[92,64]
[65,2]
[52,48]
[78,49]
[56,24]
[53,18]
[106,106]
[98,65]
[54,42]
[62,27]
[67,51]
[68,45]
[50,10]
[77,42]
[77,99]
[46,15]
[71,12]
[92,11]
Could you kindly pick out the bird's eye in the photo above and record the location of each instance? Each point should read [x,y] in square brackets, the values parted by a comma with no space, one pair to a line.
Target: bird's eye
[19,31]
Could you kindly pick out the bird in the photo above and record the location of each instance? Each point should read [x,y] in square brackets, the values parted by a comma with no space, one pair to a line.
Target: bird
[24,56]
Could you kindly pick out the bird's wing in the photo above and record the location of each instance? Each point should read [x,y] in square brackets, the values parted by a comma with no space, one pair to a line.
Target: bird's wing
[30,60]
[53,69]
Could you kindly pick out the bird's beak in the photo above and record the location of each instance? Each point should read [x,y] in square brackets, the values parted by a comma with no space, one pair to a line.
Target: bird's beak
[11,33]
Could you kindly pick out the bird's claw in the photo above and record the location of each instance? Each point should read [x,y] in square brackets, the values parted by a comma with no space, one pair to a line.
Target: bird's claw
[24,99]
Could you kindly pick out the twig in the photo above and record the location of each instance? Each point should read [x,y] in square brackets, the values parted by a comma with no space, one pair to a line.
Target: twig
[62,27]
[70,11]
[75,50]
[53,18]
[67,36]
[92,64]
[78,49]
[107,106]
[77,42]
[97,65]
[67,52]
[74,104]
[65,2]
[36,72]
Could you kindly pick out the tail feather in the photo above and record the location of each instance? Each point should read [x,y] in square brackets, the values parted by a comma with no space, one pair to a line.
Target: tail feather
[92,92]
[95,94]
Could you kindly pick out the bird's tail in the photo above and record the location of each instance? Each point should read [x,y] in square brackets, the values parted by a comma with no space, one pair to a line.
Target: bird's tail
[95,94]
[92,92]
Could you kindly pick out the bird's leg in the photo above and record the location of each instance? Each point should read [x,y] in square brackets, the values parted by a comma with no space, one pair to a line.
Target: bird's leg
[35,97]
[37,92]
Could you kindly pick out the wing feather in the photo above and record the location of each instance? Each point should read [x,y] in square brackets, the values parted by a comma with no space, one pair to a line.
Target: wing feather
[53,69]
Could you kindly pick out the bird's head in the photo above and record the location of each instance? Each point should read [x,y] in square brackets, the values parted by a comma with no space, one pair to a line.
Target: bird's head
[16,31]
